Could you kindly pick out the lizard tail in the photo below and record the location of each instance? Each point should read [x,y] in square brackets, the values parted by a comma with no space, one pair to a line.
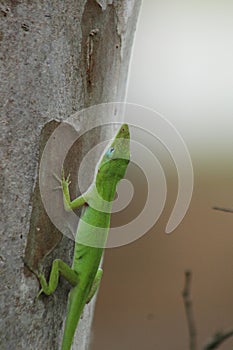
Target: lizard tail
[76,302]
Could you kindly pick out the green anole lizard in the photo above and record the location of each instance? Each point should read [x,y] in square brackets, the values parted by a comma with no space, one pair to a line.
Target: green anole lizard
[85,274]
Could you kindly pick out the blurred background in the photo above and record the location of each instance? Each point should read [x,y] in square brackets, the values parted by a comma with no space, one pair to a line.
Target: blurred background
[182,67]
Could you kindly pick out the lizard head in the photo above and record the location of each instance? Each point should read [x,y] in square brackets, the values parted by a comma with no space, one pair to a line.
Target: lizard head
[114,162]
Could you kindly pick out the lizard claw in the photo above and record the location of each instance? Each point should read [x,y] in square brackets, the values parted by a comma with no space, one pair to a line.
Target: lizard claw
[38,294]
[64,186]
[57,178]
[57,188]
[63,181]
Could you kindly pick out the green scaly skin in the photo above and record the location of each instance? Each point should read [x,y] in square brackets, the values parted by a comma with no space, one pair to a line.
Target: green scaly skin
[85,274]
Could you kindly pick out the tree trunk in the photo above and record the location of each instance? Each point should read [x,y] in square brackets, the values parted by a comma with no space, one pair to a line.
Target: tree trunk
[57,57]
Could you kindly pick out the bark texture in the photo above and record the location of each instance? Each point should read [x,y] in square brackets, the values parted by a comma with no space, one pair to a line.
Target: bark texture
[56,57]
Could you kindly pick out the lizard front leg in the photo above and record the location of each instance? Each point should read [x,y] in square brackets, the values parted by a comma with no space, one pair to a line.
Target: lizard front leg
[68,204]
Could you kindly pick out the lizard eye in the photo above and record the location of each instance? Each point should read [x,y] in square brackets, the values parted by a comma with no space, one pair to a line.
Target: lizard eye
[110,151]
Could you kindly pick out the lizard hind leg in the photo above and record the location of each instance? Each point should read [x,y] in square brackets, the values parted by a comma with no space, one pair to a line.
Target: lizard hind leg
[95,285]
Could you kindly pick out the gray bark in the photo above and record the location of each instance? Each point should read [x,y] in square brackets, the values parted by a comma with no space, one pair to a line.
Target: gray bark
[57,57]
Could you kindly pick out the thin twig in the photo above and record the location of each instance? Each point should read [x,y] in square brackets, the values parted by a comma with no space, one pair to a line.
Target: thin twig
[227,210]
[189,311]
[218,339]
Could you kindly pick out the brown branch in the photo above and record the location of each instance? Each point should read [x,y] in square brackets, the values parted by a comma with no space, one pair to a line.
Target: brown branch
[189,311]
[218,339]
[226,210]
